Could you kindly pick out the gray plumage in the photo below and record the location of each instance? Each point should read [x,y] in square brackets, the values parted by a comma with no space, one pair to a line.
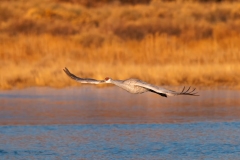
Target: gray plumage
[134,86]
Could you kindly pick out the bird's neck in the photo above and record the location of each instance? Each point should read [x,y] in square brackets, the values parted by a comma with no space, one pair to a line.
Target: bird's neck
[116,82]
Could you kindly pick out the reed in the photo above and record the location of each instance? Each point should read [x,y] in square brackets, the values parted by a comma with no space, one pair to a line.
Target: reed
[166,43]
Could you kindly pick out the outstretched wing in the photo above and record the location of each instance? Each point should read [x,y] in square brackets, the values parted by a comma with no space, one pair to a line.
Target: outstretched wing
[165,92]
[82,80]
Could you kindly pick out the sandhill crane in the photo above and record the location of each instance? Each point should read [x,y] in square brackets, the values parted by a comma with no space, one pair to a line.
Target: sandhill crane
[134,86]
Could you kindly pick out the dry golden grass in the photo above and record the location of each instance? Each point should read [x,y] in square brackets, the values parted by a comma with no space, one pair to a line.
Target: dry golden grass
[166,43]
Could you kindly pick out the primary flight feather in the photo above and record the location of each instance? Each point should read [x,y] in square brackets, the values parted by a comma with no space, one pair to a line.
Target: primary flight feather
[134,86]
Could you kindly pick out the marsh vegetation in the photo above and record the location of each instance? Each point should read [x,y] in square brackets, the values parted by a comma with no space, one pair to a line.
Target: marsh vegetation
[162,42]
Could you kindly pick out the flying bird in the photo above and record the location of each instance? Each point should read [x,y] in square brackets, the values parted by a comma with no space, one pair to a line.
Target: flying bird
[134,86]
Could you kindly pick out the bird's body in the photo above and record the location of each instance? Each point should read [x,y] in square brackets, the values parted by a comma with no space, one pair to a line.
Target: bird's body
[134,86]
[130,85]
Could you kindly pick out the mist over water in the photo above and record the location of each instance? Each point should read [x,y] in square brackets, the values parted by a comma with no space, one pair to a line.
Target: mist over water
[109,123]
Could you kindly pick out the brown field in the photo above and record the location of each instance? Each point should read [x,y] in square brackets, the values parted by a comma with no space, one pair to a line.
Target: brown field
[163,42]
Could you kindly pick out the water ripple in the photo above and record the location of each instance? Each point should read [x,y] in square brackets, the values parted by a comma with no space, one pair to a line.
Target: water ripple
[122,141]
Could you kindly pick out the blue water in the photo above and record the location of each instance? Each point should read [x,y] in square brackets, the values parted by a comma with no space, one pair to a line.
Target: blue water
[122,141]
[89,124]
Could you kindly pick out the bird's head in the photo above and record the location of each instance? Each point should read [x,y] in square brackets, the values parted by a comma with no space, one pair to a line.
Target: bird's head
[108,80]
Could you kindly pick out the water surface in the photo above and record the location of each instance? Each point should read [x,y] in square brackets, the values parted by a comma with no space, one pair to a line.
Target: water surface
[109,123]
[90,105]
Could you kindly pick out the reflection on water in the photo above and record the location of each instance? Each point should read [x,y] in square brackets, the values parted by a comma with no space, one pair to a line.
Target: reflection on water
[89,105]
[110,123]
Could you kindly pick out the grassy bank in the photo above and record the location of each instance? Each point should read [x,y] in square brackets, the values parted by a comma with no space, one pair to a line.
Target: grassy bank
[166,43]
